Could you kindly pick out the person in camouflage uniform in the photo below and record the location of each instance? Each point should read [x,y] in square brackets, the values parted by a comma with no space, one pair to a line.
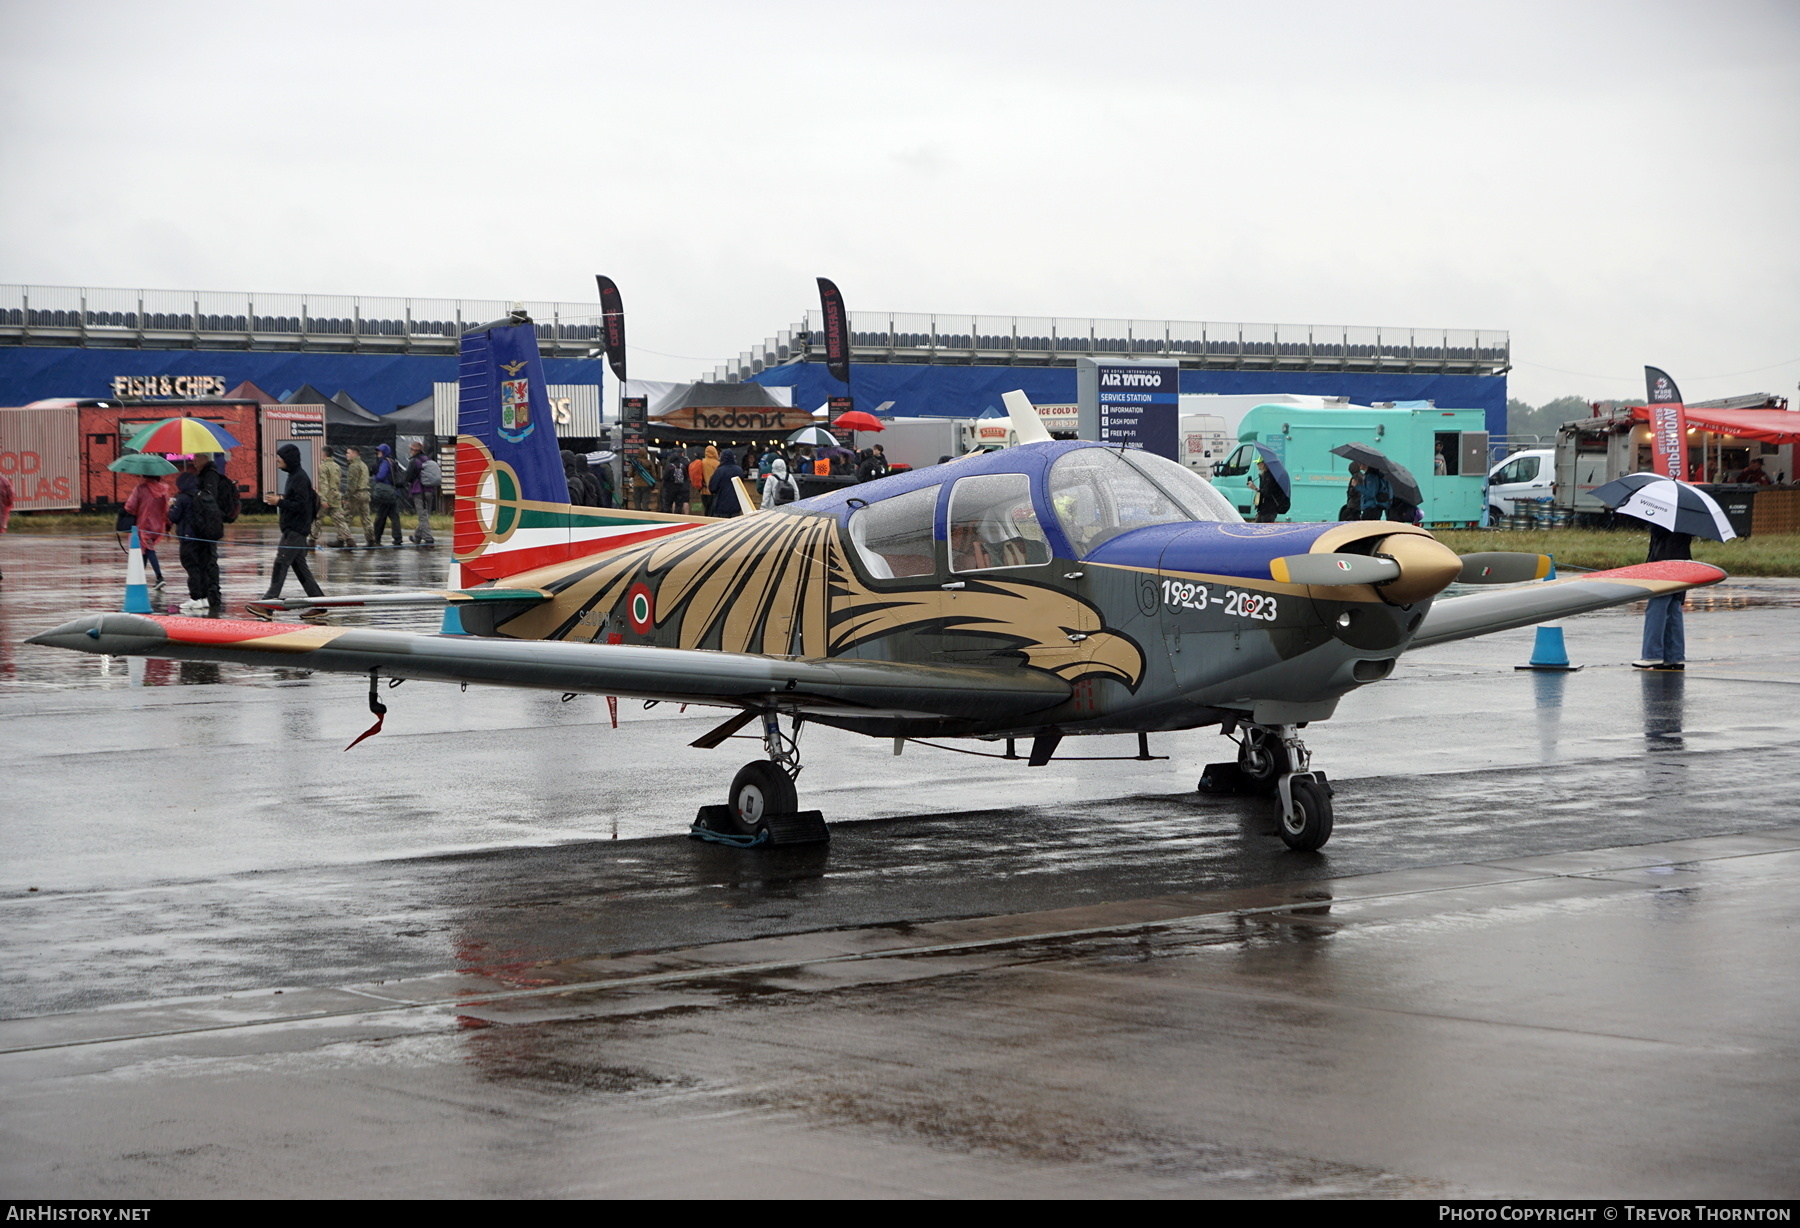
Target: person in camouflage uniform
[331,502]
[356,494]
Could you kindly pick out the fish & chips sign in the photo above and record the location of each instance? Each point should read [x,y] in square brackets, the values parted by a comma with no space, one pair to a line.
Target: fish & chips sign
[135,387]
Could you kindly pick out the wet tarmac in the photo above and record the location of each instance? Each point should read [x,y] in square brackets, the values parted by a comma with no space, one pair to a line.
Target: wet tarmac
[1548,950]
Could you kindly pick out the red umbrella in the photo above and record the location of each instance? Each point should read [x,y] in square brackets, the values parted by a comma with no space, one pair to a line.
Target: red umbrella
[857,420]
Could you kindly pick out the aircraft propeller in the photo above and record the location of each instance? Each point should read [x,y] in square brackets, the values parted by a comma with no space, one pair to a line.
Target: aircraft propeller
[1489,567]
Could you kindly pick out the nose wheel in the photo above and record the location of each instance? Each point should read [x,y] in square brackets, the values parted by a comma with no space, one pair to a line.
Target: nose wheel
[1273,759]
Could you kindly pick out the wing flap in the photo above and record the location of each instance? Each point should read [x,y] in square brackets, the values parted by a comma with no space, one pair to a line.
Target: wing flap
[634,671]
[1462,618]
[424,598]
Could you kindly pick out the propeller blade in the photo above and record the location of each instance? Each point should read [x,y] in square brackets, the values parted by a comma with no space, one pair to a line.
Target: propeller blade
[1503,567]
[1334,569]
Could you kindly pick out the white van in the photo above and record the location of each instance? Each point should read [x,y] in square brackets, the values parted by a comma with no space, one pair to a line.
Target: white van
[1524,476]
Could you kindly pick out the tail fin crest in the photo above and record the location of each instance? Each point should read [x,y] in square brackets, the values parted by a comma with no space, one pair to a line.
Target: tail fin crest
[512,509]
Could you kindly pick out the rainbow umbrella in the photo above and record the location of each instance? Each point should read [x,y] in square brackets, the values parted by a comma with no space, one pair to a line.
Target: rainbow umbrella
[183,435]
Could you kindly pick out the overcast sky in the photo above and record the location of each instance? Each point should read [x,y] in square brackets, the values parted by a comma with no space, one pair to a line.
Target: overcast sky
[1616,184]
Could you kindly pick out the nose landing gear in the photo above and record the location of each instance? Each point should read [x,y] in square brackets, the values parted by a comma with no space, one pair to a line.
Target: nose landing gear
[1273,759]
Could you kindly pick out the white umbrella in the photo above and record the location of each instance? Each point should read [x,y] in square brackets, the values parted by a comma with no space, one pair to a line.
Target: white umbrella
[1673,504]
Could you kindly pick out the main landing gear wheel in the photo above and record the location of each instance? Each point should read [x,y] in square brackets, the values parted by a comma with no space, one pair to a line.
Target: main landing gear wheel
[1306,820]
[759,790]
[1261,758]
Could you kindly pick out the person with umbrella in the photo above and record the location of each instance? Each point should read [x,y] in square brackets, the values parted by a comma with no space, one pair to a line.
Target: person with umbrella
[1271,484]
[1388,488]
[1676,513]
[149,504]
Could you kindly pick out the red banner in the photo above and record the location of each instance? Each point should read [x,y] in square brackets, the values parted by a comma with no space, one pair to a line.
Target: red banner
[1668,423]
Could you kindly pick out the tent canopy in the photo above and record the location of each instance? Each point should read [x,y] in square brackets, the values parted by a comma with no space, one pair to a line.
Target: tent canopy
[1762,425]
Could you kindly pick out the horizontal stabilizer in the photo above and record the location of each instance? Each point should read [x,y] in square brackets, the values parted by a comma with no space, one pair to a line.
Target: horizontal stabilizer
[1460,618]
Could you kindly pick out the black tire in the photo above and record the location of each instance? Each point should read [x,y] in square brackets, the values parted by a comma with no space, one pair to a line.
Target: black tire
[1262,759]
[1310,827]
[757,791]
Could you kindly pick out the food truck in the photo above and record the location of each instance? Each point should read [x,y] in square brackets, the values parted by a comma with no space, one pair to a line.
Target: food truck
[1302,438]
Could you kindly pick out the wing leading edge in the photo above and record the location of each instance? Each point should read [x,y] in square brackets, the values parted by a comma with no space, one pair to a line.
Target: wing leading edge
[634,671]
[1461,618]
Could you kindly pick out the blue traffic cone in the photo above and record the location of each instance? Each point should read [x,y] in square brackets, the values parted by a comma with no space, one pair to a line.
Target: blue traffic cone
[1548,652]
[137,593]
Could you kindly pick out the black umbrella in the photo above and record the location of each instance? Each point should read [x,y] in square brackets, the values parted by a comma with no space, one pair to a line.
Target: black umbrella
[1277,470]
[1669,502]
[1399,476]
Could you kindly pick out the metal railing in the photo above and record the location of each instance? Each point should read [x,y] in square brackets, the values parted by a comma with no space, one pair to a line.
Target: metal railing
[1051,341]
[174,319]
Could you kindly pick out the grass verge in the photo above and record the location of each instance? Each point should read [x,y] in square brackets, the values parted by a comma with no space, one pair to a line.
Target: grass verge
[1774,555]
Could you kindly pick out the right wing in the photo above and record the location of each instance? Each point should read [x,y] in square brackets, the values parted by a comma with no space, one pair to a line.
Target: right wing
[1461,618]
[735,679]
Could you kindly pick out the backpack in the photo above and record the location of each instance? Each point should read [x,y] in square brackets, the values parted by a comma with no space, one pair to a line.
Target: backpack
[205,520]
[786,491]
[227,501]
[431,473]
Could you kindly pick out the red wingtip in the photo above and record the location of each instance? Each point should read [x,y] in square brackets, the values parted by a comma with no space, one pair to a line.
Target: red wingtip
[1682,571]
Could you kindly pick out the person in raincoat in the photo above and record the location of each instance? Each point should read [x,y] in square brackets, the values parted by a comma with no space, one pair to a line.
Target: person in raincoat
[1271,500]
[150,504]
[199,555]
[1665,633]
[1376,493]
[298,507]
[724,489]
[6,507]
[1352,509]
[778,487]
[700,473]
[384,484]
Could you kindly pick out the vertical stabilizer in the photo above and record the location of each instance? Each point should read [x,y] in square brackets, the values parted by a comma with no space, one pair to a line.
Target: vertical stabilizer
[512,496]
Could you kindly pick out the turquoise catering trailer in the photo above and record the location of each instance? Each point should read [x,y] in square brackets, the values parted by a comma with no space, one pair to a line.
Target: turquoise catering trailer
[1303,437]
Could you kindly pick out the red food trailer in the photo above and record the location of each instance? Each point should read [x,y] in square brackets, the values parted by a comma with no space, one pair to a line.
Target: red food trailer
[56,452]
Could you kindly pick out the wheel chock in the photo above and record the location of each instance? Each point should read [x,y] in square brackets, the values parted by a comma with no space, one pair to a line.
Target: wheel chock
[714,824]
[801,827]
[1227,778]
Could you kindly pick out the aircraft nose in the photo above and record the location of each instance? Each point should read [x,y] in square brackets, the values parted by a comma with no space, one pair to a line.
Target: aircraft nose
[1427,566]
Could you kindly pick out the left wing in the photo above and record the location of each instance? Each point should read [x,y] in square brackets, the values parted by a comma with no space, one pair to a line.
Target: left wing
[736,679]
[1460,618]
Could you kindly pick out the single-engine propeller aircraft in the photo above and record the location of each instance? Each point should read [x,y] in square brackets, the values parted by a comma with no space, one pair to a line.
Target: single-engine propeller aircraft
[1048,590]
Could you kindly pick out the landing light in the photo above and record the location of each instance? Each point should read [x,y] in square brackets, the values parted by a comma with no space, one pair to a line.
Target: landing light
[1343,620]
